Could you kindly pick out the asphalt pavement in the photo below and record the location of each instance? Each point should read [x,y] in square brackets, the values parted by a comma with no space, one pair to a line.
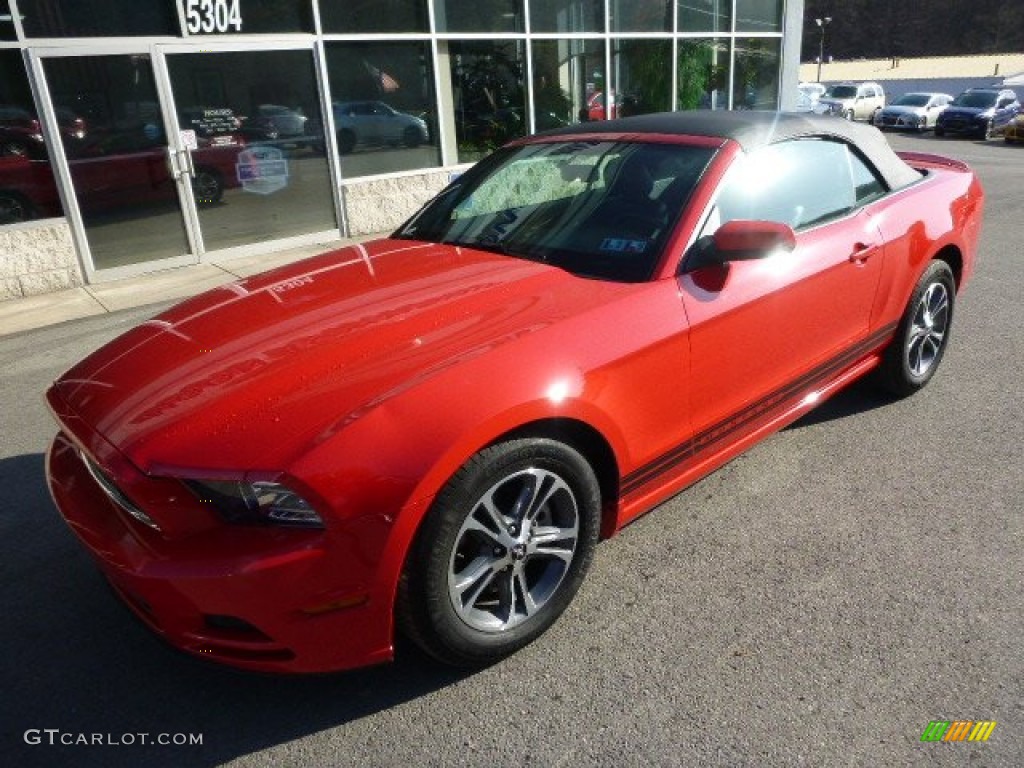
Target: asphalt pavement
[816,602]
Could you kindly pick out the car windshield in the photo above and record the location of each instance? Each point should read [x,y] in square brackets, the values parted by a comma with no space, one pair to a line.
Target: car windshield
[975,99]
[912,100]
[842,91]
[599,209]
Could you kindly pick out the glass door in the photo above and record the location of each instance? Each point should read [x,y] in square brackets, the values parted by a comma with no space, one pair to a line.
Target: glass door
[251,120]
[122,163]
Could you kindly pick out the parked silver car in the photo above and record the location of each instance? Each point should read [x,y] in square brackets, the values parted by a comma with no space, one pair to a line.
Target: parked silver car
[374,123]
[913,112]
[853,101]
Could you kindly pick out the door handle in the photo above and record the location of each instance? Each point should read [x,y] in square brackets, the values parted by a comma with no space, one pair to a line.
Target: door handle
[190,167]
[862,252]
[173,167]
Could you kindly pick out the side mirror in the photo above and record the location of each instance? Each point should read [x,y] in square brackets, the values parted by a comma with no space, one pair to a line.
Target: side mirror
[737,240]
[742,240]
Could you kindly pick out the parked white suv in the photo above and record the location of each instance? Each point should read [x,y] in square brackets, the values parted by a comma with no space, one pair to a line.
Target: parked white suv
[854,101]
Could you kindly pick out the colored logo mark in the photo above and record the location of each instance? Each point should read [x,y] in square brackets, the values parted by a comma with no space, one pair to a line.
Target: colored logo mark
[958,730]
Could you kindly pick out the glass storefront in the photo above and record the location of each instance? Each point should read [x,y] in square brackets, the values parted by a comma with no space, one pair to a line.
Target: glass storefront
[259,173]
[704,15]
[488,94]
[385,113]
[97,18]
[493,16]
[27,186]
[568,82]
[127,197]
[567,16]
[640,15]
[374,16]
[641,79]
[187,127]
[759,15]
[702,73]
[7,30]
[755,83]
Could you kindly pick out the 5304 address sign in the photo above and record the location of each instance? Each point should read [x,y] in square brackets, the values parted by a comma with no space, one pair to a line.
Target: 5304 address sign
[205,17]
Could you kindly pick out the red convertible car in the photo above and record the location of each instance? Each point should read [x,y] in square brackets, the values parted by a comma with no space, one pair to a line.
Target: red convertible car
[429,434]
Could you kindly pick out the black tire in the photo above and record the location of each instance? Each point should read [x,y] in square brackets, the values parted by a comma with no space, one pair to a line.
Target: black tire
[411,137]
[207,186]
[940,132]
[522,576]
[923,333]
[14,208]
[346,141]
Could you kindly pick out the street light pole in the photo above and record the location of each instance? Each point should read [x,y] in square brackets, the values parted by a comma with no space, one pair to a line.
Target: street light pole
[822,23]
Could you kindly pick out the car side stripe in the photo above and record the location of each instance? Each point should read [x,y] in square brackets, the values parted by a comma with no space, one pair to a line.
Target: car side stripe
[717,433]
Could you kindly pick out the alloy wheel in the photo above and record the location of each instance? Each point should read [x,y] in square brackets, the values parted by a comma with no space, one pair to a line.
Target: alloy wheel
[928,329]
[513,550]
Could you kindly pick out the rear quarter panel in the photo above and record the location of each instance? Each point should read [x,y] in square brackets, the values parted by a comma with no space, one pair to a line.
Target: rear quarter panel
[942,211]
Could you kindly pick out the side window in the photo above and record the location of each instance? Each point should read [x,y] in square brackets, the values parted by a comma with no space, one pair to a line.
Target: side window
[800,183]
[866,184]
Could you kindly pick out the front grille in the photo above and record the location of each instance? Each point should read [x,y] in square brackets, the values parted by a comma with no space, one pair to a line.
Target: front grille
[115,494]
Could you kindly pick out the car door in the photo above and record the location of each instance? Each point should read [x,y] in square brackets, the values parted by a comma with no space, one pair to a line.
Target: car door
[766,330]
[120,169]
[389,129]
[862,103]
[369,123]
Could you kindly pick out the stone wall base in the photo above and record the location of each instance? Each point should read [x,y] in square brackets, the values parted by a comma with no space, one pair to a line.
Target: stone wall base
[37,257]
[380,205]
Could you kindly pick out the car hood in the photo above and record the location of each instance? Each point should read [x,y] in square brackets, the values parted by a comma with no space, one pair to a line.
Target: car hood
[255,373]
[901,110]
[949,112]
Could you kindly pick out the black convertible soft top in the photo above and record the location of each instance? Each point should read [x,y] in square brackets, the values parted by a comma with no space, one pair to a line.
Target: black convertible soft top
[753,129]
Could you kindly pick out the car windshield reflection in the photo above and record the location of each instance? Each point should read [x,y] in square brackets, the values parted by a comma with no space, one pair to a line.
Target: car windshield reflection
[599,209]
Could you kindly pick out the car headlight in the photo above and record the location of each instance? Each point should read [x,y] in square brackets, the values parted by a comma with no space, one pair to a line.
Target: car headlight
[242,501]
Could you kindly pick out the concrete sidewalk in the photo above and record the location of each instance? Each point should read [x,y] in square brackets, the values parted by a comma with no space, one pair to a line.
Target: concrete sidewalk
[30,312]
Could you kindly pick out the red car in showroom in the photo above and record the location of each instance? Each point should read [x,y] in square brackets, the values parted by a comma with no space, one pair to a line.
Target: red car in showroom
[112,173]
[429,433]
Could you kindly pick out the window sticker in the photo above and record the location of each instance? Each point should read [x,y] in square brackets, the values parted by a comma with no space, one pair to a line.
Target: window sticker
[262,170]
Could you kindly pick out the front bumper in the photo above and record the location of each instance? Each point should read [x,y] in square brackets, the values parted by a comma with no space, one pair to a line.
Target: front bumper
[260,598]
[962,127]
[899,122]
